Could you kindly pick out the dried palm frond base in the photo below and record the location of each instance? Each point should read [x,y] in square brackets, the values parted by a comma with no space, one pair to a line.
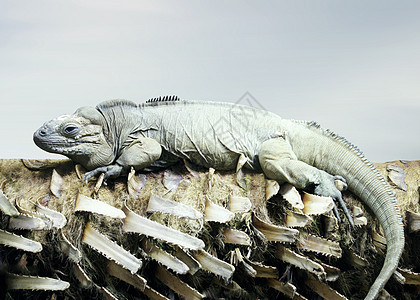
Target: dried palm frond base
[190,233]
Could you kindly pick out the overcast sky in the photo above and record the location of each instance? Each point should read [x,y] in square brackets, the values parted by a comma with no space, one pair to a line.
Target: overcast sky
[353,66]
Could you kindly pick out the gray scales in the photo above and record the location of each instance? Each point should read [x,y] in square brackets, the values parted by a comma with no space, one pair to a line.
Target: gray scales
[119,134]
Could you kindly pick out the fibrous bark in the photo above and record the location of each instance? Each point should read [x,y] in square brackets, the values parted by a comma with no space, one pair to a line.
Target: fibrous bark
[330,257]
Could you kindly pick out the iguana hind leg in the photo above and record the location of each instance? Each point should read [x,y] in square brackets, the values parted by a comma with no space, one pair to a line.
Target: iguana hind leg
[278,162]
[141,153]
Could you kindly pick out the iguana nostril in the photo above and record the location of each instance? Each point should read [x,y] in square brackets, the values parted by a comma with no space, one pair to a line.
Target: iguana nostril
[42,133]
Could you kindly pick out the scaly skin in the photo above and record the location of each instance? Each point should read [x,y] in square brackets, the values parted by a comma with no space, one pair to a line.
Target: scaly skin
[118,135]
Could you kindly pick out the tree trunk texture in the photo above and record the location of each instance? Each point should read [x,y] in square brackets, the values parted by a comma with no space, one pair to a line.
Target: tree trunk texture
[191,233]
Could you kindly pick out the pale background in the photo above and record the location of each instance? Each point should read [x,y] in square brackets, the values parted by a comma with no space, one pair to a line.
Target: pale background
[353,66]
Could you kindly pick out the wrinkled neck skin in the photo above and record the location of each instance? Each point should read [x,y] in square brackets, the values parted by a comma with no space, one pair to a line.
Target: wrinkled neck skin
[101,154]
[116,127]
[120,125]
[123,125]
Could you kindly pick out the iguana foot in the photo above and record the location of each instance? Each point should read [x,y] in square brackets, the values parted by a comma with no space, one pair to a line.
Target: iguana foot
[109,171]
[279,162]
[327,187]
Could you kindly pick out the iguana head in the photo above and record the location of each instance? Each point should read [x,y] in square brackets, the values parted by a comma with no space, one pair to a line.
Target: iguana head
[78,136]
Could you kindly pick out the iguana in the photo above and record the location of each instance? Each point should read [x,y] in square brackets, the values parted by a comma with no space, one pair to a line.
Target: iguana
[119,134]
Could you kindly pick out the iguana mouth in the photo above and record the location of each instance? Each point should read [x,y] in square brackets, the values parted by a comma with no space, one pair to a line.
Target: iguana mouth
[45,142]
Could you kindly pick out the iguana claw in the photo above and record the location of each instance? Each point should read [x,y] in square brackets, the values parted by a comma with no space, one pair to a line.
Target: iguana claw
[339,198]
[341,202]
[336,213]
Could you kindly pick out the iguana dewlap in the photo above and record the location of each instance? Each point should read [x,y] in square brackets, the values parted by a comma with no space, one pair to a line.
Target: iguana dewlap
[118,135]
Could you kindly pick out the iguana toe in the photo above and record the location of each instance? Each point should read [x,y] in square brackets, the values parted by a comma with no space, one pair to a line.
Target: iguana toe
[94,172]
[336,213]
[343,205]
[110,171]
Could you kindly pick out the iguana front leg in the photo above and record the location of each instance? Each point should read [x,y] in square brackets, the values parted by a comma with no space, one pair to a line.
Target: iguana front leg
[278,162]
[141,153]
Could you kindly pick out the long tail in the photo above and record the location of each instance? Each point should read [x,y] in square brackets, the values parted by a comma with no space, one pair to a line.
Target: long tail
[339,157]
[366,183]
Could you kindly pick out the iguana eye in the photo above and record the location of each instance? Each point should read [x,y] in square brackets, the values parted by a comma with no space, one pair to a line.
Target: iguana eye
[70,129]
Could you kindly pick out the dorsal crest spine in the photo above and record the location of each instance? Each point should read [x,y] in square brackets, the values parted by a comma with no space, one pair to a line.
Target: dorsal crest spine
[164,99]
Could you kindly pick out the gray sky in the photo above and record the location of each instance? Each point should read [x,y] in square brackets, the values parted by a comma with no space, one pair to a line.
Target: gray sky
[353,66]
